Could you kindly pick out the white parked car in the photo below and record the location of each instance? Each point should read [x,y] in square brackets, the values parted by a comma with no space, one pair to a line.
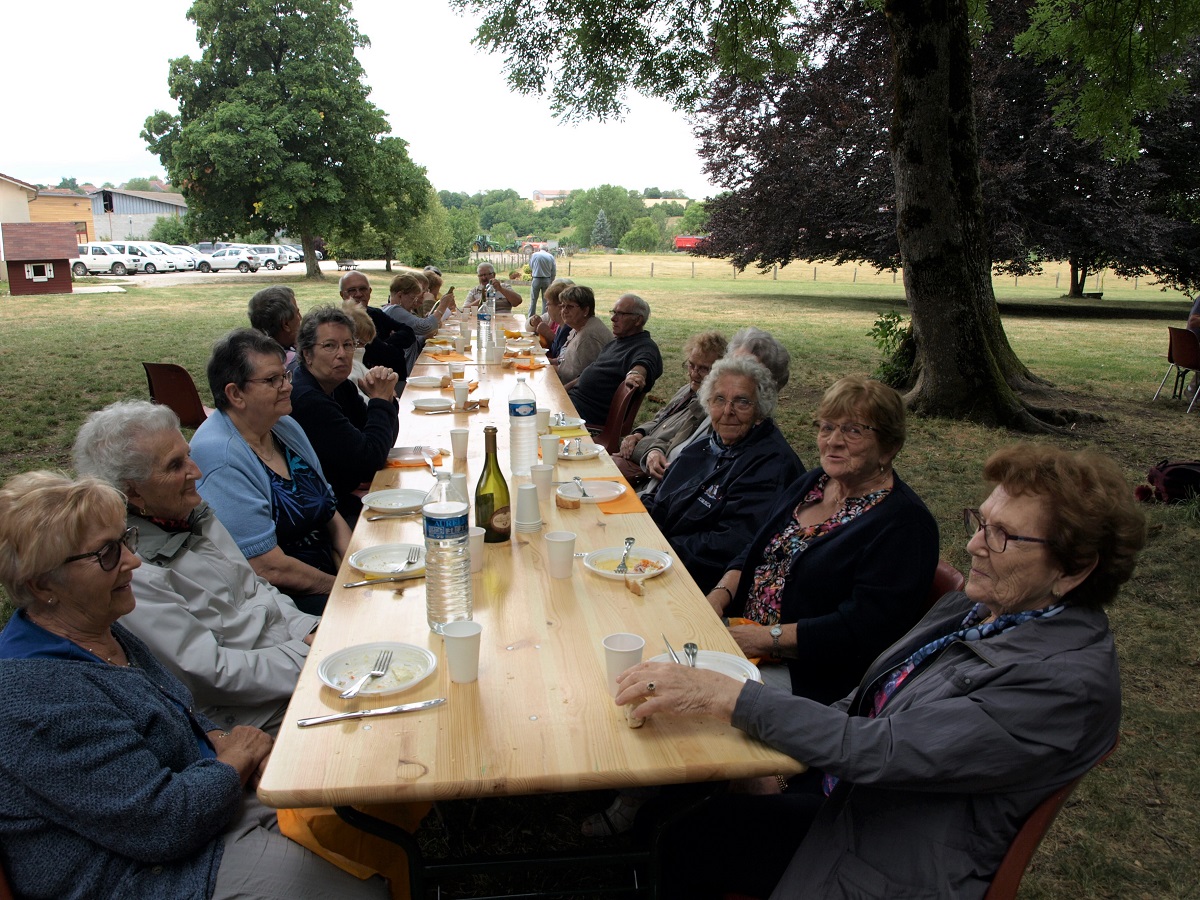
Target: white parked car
[271,255]
[157,259]
[294,254]
[101,258]
[241,258]
[184,262]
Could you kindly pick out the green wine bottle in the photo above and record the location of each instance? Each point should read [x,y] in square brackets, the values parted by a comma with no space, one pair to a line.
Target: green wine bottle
[492,511]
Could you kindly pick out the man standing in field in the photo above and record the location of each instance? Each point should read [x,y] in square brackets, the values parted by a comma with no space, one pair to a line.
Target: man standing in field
[543,269]
[631,357]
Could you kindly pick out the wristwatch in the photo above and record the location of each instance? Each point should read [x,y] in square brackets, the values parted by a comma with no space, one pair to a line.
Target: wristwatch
[776,631]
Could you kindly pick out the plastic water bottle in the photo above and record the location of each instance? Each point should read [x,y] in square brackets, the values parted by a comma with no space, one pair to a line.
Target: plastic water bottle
[484,324]
[448,595]
[522,428]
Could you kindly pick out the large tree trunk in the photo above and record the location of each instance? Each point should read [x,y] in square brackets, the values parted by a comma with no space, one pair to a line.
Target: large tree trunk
[312,266]
[1079,274]
[966,368]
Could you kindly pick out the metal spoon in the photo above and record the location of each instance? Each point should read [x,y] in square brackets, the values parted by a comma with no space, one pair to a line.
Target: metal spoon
[579,483]
[429,462]
[690,650]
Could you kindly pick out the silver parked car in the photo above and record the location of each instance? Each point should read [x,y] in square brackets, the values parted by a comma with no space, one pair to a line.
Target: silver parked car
[241,258]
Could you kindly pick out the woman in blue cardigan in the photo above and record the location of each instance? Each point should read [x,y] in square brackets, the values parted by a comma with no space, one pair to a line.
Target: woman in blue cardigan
[843,564]
[114,785]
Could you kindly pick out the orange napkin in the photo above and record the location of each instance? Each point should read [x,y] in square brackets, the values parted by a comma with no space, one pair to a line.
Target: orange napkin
[471,385]
[628,502]
[411,463]
[449,356]
[736,620]
[529,365]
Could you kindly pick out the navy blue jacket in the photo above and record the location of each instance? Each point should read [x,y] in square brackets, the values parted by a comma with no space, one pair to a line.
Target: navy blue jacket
[854,591]
[709,506]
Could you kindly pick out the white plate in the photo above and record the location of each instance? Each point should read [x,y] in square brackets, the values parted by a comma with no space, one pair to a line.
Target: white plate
[389,559]
[725,663]
[410,666]
[598,491]
[604,562]
[424,381]
[399,500]
[431,404]
[412,454]
[589,451]
[568,422]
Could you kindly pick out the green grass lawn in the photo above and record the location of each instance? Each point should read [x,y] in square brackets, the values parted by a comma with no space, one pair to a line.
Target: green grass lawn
[1132,828]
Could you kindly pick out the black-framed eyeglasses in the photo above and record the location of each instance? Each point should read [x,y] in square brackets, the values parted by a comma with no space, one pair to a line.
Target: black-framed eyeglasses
[994,536]
[275,381]
[110,554]
[695,369]
[852,432]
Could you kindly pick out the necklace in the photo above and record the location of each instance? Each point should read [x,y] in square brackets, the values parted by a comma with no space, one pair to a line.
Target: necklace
[274,450]
[109,659]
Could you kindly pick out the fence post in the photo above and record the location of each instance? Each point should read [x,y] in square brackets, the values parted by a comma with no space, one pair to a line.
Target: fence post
[814,273]
[854,276]
[568,275]
[651,270]
[610,268]
[732,266]
[775,273]
[1057,275]
[693,268]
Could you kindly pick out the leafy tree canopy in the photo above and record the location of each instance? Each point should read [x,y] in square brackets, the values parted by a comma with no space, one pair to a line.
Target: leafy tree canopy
[274,128]
[171,230]
[140,184]
[70,184]
[602,235]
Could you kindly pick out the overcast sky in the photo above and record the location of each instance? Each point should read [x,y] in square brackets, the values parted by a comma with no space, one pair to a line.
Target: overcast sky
[94,73]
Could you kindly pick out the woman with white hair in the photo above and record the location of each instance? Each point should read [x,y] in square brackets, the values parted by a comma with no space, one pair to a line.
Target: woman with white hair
[712,502]
[234,640]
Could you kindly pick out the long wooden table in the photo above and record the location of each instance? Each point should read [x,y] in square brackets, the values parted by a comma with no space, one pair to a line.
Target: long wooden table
[540,717]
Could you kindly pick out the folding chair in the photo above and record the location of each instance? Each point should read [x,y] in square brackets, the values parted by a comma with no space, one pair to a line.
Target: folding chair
[1183,355]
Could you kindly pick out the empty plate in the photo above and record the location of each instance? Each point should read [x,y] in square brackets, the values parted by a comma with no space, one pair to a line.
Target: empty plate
[398,500]
[567,422]
[432,404]
[413,454]
[725,663]
[389,559]
[598,491]
[590,451]
[424,381]
[410,666]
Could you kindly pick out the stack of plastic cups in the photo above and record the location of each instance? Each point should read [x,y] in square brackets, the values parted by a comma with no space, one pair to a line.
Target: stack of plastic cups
[529,514]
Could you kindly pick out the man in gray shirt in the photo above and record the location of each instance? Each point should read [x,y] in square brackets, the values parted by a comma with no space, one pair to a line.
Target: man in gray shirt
[543,269]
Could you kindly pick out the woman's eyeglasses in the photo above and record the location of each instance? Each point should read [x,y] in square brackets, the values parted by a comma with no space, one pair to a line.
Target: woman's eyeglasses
[994,536]
[700,371]
[334,346]
[852,432]
[110,554]
[741,404]
[275,381]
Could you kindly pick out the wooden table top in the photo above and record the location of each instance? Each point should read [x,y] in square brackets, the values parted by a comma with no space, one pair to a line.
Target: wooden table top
[540,717]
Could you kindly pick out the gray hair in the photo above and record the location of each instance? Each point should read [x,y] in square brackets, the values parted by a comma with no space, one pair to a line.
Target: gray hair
[272,308]
[230,361]
[640,306]
[112,443]
[766,394]
[766,349]
[479,268]
[344,278]
[306,340]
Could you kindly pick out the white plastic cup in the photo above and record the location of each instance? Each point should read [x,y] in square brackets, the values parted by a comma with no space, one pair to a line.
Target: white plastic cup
[542,475]
[543,419]
[475,545]
[458,441]
[458,370]
[494,354]
[461,344]
[462,650]
[458,481]
[549,444]
[560,551]
[461,389]
[528,511]
[621,650]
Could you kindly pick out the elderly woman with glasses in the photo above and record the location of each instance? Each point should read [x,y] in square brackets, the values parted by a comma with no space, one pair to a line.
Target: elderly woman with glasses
[551,330]
[679,416]
[113,784]
[351,438]
[843,563]
[713,500]
[261,474]
[589,335]
[999,696]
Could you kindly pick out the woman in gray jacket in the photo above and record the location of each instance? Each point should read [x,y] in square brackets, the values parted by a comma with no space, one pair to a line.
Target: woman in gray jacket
[997,698]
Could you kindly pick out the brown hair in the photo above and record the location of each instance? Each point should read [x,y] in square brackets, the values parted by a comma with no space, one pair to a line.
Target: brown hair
[706,343]
[364,328]
[1091,514]
[44,518]
[581,296]
[405,283]
[864,398]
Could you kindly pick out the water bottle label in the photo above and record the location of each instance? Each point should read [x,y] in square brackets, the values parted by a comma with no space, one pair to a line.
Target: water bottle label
[446,529]
[522,408]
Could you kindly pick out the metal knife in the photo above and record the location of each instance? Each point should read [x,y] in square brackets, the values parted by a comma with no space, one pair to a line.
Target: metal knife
[671,650]
[363,713]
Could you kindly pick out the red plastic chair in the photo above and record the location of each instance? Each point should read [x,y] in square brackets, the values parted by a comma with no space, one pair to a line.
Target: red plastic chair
[172,386]
[1012,868]
[624,407]
[1183,355]
[946,578]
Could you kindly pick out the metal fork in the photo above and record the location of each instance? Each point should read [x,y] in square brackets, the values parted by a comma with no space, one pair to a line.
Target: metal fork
[414,555]
[622,568]
[579,483]
[381,667]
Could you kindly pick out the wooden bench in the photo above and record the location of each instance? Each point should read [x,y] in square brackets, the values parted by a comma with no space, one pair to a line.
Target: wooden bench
[346,264]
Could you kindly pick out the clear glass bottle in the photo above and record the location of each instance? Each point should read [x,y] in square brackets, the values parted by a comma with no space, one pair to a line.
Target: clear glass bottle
[448,596]
[493,510]
[522,428]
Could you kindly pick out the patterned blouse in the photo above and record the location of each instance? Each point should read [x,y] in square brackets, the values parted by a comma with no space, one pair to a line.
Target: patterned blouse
[301,506]
[778,556]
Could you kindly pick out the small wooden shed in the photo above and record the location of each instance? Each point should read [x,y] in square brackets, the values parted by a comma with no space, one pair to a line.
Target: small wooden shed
[38,256]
